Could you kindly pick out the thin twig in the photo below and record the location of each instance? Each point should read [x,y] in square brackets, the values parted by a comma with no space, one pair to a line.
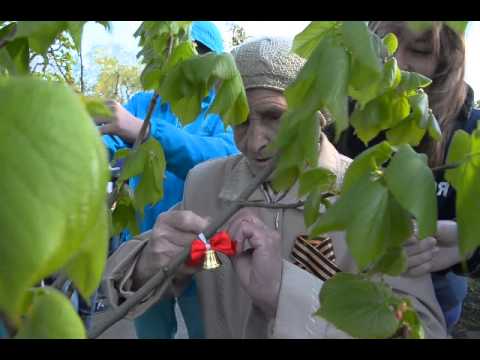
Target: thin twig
[160,279]
[82,83]
[270,206]
[142,133]
[446,167]
[51,52]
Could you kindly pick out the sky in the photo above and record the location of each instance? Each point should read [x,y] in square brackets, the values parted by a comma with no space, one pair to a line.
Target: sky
[121,42]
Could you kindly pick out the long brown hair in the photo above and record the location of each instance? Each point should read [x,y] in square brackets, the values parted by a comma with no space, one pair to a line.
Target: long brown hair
[448,91]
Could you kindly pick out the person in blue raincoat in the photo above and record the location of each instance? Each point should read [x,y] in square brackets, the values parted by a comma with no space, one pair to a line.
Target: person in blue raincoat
[203,139]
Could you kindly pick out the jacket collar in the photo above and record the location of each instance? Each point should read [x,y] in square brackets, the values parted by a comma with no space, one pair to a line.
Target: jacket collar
[239,175]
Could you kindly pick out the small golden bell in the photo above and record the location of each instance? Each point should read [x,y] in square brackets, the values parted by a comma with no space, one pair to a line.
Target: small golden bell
[211,261]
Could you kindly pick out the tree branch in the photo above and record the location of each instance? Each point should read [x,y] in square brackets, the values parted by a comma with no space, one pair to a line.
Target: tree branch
[58,66]
[446,167]
[82,84]
[143,130]
[162,278]
[270,206]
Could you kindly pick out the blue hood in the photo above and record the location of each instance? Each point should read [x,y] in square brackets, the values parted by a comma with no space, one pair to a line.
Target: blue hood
[208,34]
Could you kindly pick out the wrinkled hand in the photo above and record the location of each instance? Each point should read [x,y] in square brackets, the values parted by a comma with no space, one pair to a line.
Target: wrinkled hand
[122,123]
[433,253]
[258,262]
[172,232]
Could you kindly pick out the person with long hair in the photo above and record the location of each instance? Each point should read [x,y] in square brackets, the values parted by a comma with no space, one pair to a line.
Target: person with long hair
[438,53]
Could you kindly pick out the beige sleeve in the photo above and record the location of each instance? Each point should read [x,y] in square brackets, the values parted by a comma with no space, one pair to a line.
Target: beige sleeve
[117,279]
[298,301]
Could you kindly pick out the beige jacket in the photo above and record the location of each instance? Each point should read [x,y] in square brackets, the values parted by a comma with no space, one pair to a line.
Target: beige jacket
[226,308]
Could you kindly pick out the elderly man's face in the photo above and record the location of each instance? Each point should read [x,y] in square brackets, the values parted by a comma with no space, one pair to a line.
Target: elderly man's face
[253,136]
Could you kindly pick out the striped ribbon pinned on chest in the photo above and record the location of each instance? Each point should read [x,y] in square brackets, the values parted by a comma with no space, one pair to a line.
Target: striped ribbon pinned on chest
[315,256]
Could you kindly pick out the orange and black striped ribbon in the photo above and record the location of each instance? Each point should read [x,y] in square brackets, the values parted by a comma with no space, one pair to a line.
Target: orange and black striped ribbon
[315,256]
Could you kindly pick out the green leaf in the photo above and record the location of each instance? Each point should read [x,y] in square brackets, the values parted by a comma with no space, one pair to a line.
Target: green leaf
[391,43]
[406,132]
[465,149]
[284,178]
[312,206]
[393,262]
[368,225]
[97,107]
[419,106]
[123,215]
[150,187]
[40,34]
[75,28]
[411,181]
[358,39]
[305,42]
[231,102]
[391,75]
[458,26]
[87,266]
[369,121]
[319,179]
[323,82]
[184,51]
[366,68]
[120,154]
[366,162]
[189,82]
[55,180]
[51,316]
[134,163]
[358,307]
[412,81]
[106,24]
[411,318]
[433,127]
[19,54]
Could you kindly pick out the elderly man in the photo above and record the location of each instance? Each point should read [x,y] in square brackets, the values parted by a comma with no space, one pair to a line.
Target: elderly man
[260,293]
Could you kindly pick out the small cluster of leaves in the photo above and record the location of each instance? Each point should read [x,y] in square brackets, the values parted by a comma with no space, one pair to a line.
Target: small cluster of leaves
[182,78]
[465,151]
[377,202]
[21,38]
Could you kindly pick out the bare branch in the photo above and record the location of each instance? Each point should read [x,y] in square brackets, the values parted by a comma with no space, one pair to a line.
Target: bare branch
[270,206]
[50,51]
[82,84]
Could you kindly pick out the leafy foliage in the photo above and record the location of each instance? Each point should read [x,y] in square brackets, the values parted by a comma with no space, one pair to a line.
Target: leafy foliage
[56,186]
[39,322]
[465,151]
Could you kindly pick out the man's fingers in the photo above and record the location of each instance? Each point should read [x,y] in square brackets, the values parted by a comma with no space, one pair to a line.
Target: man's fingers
[108,128]
[420,270]
[419,259]
[418,247]
[183,221]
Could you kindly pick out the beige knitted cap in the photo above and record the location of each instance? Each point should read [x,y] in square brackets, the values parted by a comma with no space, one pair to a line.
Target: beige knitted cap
[267,63]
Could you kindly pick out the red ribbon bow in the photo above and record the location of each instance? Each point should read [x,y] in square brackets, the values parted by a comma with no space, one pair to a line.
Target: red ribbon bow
[221,242]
